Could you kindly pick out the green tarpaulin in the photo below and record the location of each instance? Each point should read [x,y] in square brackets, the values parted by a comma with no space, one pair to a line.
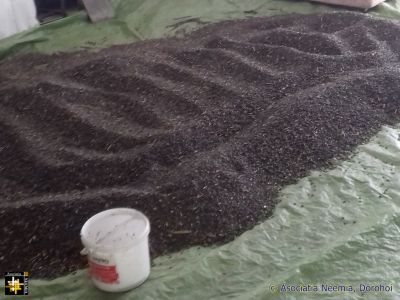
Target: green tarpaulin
[145,19]
[337,229]
[334,228]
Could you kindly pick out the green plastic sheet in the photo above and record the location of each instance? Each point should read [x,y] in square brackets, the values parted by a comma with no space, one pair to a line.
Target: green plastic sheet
[144,19]
[339,227]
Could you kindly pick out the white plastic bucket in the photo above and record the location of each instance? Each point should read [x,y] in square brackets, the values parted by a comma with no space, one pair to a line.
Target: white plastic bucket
[116,243]
[353,3]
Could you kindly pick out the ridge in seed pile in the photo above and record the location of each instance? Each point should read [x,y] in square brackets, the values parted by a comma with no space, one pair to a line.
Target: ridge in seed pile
[198,133]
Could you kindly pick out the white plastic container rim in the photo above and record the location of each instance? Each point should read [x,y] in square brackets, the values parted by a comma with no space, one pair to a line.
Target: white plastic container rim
[90,243]
[366,4]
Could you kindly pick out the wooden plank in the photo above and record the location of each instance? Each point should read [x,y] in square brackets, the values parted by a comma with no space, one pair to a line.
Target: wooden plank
[98,10]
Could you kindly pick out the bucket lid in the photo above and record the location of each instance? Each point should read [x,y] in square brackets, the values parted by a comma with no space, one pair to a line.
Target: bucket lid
[115,229]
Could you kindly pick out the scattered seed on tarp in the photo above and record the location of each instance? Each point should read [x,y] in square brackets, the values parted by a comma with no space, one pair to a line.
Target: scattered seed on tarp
[206,129]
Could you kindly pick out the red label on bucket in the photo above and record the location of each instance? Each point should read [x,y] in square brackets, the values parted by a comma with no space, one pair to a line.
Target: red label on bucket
[106,274]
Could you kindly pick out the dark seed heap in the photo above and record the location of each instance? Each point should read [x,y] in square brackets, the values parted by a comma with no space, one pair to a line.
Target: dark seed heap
[198,133]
